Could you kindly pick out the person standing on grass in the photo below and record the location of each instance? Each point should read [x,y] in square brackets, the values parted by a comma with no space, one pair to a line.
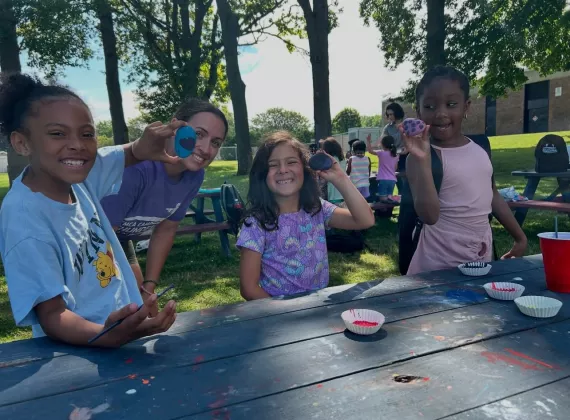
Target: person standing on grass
[395,115]
[154,196]
[359,168]
[282,240]
[387,164]
[456,225]
[67,275]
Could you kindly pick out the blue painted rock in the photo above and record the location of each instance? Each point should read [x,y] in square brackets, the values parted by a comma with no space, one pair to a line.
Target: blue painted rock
[320,162]
[185,141]
[413,127]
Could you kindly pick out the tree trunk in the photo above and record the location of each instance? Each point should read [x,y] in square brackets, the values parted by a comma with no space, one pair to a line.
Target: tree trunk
[10,62]
[105,15]
[230,34]
[435,33]
[317,25]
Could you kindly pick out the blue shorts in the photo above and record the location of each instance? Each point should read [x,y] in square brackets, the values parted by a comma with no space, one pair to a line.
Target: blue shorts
[385,187]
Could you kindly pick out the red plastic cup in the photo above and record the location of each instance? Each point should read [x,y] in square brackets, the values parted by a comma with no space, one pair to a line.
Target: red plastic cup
[555,254]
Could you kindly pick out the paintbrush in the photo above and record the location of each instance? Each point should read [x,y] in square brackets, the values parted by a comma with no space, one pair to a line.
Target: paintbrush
[114,324]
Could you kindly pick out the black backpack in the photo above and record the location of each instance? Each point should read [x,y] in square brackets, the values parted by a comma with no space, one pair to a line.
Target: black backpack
[551,154]
[408,219]
[233,206]
[345,241]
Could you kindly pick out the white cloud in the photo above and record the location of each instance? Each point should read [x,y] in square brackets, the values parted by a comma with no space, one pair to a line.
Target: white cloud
[358,77]
[100,107]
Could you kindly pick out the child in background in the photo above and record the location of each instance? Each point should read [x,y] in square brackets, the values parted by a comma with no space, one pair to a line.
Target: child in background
[387,164]
[333,148]
[154,196]
[282,240]
[456,225]
[359,167]
[66,272]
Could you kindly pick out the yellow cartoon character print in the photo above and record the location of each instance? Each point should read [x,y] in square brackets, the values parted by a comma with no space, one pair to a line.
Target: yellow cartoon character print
[105,266]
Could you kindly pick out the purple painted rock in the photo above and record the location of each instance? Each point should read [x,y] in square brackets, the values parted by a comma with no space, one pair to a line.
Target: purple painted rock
[413,127]
[320,162]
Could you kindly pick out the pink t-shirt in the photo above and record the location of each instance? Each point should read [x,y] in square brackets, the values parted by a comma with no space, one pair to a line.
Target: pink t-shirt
[386,165]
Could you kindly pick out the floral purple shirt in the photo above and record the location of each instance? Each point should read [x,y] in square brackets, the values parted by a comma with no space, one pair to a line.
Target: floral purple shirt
[294,257]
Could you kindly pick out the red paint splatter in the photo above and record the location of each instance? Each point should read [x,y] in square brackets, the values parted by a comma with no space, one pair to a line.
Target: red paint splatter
[494,357]
[132,376]
[426,379]
[439,337]
[524,356]
[197,359]
[145,381]
[502,289]
[218,403]
[319,385]
[365,323]
[129,361]
[219,414]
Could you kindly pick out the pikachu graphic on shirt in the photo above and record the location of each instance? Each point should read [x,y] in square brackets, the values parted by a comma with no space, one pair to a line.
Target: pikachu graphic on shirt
[105,266]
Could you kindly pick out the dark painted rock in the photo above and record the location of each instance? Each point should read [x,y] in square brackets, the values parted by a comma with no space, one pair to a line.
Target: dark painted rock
[413,127]
[320,162]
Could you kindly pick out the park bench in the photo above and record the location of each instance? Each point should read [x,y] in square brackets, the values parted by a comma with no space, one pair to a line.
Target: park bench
[203,224]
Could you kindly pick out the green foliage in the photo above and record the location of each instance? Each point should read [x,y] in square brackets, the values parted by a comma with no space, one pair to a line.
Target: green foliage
[345,119]
[55,33]
[104,129]
[104,141]
[136,127]
[281,119]
[371,120]
[495,38]
[172,51]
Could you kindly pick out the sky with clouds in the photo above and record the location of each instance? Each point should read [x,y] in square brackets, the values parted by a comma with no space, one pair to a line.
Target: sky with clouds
[276,78]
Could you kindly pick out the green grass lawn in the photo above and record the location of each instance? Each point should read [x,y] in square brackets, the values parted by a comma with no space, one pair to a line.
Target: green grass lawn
[204,278]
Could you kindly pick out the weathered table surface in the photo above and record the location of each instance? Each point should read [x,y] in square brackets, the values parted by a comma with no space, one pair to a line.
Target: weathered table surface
[474,358]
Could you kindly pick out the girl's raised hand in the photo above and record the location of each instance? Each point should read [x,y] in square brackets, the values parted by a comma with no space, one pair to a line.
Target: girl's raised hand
[151,145]
[417,146]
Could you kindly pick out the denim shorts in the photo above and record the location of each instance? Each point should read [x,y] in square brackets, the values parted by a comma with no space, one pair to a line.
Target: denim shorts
[385,187]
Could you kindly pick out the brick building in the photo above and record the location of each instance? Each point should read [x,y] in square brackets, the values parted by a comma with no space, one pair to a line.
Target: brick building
[542,104]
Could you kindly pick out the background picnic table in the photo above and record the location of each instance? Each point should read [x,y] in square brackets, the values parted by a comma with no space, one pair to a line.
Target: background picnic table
[446,349]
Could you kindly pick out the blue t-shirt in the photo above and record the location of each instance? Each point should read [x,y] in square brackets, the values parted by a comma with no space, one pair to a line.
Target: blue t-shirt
[51,249]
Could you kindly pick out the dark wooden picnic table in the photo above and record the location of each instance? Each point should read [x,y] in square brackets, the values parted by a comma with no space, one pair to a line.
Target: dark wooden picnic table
[445,351]
[533,178]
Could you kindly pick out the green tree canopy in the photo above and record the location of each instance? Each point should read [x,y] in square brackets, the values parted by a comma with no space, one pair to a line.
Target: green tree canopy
[371,120]
[281,119]
[494,38]
[345,119]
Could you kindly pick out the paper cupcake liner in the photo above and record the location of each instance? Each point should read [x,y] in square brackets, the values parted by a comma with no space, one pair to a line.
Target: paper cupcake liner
[538,306]
[475,269]
[504,290]
[365,316]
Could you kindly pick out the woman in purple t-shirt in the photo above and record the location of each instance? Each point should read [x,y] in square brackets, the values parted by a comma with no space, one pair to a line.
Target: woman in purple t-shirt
[387,164]
[282,241]
[155,196]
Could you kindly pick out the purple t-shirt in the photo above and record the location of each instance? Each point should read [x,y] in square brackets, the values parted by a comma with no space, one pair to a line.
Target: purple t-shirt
[148,196]
[294,257]
[386,165]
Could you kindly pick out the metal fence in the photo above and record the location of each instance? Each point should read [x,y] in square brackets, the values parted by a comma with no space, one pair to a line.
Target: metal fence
[230,153]
[3,162]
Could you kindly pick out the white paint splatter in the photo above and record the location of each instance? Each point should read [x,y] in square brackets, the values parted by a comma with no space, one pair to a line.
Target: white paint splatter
[85,413]
[552,401]
[517,278]
[131,392]
[544,407]
[504,410]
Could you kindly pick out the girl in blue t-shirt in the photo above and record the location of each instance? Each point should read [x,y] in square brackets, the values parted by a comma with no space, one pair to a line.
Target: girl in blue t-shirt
[66,272]
[282,241]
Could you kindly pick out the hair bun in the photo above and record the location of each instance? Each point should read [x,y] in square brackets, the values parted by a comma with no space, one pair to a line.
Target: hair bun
[15,88]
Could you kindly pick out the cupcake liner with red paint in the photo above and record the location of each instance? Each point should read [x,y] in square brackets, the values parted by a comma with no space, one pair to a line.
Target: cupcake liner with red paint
[504,290]
[538,306]
[363,321]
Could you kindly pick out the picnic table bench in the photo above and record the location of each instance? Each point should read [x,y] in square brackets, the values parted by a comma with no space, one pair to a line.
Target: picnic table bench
[446,350]
[202,222]
[552,202]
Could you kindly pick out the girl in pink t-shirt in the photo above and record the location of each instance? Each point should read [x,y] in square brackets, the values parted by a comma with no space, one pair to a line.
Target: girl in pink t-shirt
[387,164]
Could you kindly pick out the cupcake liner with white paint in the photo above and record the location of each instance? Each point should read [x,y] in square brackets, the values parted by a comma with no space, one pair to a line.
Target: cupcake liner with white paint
[475,269]
[375,319]
[538,306]
[504,290]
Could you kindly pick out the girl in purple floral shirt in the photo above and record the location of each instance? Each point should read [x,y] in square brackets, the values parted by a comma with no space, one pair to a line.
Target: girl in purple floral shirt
[282,241]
